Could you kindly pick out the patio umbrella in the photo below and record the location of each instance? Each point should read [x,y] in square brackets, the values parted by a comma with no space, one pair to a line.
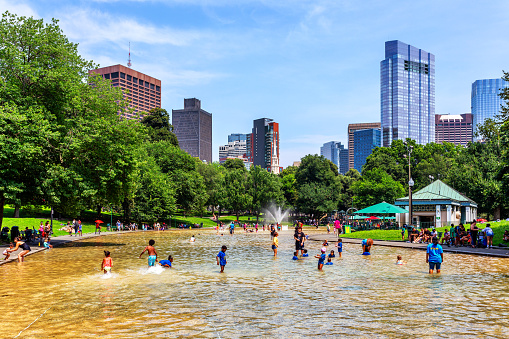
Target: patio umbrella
[373,218]
[99,222]
[382,208]
[358,217]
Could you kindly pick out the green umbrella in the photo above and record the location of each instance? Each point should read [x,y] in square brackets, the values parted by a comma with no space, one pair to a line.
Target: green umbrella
[358,217]
[382,208]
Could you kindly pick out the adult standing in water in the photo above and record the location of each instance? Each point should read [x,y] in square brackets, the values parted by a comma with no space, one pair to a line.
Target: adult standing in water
[474,230]
[24,247]
[299,240]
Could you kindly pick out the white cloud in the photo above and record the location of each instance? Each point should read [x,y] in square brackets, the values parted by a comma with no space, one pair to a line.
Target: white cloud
[17,7]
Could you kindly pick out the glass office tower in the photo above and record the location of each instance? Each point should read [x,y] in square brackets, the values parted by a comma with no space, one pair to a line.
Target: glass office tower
[365,140]
[407,84]
[486,100]
[337,153]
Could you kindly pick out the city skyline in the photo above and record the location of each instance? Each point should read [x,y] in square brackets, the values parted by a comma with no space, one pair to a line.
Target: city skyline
[287,60]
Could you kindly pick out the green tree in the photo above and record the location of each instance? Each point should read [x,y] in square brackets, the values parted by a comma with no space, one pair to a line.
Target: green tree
[234,164]
[159,128]
[236,194]
[374,187]
[347,181]
[288,185]
[318,186]
[213,176]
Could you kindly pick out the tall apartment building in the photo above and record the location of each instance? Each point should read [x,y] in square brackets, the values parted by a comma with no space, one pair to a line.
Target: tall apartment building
[337,153]
[235,149]
[351,145]
[263,145]
[485,99]
[142,91]
[193,128]
[407,92]
[456,129]
[365,141]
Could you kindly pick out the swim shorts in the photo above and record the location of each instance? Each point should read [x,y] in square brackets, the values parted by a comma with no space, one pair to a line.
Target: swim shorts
[107,268]
[152,260]
[274,247]
[298,246]
[432,265]
[366,253]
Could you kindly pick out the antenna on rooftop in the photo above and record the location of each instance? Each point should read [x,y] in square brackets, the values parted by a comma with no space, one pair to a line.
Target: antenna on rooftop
[129,60]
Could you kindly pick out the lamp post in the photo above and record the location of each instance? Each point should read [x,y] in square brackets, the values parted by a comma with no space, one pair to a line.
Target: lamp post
[409,149]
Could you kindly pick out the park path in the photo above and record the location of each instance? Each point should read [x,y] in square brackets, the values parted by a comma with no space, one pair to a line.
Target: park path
[501,252]
[55,241]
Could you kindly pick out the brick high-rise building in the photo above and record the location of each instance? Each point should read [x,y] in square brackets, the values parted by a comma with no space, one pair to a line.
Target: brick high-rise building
[456,129]
[351,145]
[193,128]
[142,91]
[263,145]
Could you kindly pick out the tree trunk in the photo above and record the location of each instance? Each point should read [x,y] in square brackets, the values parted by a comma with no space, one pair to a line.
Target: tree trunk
[127,211]
[496,213]
[2,203]
[257,216]
[237,213]
[99,210]
[16,211]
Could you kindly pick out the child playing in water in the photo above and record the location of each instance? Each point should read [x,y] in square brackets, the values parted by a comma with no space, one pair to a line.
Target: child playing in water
[192,239]
[321,258]
[332,255]
[7,251]
[434,256]
[305,253]
[400,261]
[325,243]
[329,261]
[275,243]
[166,263]
[221,258]
[340,247]
[152,254]
[295,257]
[366,246]
[107,263]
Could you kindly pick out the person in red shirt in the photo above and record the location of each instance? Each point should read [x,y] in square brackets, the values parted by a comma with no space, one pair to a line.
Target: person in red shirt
[107,263]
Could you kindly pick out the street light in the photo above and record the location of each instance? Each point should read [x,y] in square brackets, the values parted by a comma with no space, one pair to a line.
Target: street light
[409,149]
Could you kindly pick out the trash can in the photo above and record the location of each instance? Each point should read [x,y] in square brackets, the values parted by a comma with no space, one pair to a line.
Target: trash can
[348,229]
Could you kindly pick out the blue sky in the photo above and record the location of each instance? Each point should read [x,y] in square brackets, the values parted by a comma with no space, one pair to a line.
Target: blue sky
[312,66]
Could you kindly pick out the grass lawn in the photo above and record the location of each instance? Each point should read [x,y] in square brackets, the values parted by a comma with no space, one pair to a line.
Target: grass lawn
[395,235]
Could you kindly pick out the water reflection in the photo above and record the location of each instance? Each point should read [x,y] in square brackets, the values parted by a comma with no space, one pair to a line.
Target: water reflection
[258,296]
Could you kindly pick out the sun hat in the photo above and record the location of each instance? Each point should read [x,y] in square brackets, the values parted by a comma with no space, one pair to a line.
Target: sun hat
[324,249]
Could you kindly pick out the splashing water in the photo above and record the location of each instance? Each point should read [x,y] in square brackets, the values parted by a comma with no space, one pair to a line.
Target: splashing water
[275,214]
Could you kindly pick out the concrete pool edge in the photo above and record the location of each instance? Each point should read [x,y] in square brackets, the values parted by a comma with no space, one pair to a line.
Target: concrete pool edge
[494,252]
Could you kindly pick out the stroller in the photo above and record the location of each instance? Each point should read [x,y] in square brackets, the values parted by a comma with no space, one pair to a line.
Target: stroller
[4,235]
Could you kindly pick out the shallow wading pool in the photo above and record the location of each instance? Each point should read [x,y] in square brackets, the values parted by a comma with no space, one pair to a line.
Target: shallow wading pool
[258,296]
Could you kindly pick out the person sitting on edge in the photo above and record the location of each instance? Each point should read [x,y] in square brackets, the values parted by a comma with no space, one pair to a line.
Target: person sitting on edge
[321,258]
[329,261]
[107,263]
[152,254]
[305,253]
[166,263]
[340,247]
[434,256]
[506,235]
[295,257]
[446,238]
[47,243]
[332,255]
[366,246]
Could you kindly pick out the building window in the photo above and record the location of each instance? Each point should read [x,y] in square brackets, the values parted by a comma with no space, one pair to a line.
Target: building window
[141,82]
[114,75]
[129,77]
[135,80]
[146,84]
[152,86]
[158,89]
[106,76]
[122,75]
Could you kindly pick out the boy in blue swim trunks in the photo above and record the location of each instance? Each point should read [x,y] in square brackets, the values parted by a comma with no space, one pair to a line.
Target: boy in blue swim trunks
[340,247]
[152,254]
[321,258]
[434,256]
[221,258]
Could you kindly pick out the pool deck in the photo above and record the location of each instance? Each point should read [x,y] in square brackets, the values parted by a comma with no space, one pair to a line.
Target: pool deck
[500,252]
[55,241]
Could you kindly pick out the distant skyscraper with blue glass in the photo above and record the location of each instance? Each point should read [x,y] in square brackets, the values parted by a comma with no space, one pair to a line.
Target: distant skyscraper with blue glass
[237,137]
[486,100]
[407,84]
[337,153]
[365,141]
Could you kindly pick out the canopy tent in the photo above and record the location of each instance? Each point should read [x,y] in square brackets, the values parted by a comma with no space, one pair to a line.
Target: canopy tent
[358,217]
[382,208]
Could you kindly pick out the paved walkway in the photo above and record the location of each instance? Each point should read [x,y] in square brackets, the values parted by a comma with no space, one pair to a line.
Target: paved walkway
[501,252]
[55,241]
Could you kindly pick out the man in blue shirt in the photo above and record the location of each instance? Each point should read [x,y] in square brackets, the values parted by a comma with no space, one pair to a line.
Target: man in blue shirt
[434,256]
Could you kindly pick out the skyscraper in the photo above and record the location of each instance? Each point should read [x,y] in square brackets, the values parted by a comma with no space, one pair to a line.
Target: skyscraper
[235,149]
[142,91]
[456,129]
[193,128]
[365,141]
[263,145]
[407,86]
[351,146]
[485,99]
[337,153]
